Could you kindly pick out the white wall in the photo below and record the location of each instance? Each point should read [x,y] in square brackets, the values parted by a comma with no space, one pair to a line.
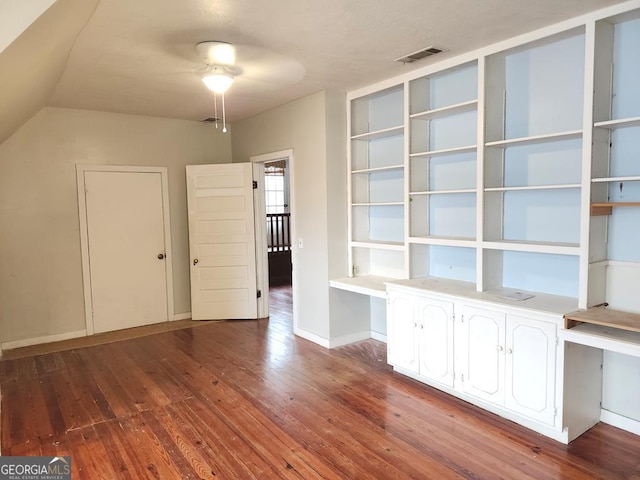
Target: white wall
[314,128]
[31,65]
[40,261]
[16,16]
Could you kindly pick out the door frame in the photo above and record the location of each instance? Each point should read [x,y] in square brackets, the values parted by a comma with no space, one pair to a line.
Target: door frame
[260,218]
[84,233]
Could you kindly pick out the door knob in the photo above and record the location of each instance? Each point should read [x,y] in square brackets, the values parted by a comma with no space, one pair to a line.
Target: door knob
[195,260]
[160,256]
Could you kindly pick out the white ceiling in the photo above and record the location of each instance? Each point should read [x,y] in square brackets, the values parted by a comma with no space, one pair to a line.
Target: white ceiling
[138,56]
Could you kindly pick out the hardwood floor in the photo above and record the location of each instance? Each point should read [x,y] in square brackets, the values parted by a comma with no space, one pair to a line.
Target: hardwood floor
[247,399]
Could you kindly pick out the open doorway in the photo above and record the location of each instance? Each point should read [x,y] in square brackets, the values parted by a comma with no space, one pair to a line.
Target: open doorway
[278,222]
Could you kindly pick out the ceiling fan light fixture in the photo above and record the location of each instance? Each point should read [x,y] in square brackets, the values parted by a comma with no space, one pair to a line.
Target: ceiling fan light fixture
[217,82]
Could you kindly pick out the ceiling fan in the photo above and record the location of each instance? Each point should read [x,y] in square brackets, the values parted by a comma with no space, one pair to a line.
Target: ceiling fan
[259,68]
[220,71]
[220,59]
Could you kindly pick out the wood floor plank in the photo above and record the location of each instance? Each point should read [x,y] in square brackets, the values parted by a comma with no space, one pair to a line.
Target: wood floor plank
[249,400]
[88,456]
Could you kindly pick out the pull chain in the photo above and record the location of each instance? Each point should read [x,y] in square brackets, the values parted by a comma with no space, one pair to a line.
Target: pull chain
[224,116]
[215,109]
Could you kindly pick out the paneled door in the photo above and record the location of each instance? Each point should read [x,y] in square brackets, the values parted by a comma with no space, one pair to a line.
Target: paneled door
[530,368]
[435,319]
[222,241]
[402,340]
[125,240]
[484,346]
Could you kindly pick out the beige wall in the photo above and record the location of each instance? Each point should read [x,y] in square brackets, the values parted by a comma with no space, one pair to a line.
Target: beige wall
[32,64]
[40,260]
[314,128]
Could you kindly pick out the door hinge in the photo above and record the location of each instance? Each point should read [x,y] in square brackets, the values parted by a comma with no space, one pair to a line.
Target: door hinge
[462,378]
[255,184]
[555,412]
[557,341]
[259,295]
[462,318]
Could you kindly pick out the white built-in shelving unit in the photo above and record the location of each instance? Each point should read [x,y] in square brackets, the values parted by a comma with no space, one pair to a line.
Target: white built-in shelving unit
[614,255]
[473,172]
[482,171]
[515,168]
[376,194]
[442,186]
[532,166]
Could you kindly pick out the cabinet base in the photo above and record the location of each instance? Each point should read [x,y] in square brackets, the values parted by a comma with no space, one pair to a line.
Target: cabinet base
[560,435]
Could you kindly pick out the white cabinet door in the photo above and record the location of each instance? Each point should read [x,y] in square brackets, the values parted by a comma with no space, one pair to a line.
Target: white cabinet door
[530,368]
[435,324]
[402,341]
[484,365]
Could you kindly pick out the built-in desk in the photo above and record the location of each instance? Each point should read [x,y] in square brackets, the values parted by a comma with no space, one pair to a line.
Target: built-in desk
[371,285]
[600,327]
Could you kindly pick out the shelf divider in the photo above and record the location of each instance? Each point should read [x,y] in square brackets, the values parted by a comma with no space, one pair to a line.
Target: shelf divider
[448,110]
[619,123]
[385,132]
[535,139]
[444,151]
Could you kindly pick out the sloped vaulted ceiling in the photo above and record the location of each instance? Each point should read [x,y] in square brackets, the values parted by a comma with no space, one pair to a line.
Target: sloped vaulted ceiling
[31,66]
[138,56]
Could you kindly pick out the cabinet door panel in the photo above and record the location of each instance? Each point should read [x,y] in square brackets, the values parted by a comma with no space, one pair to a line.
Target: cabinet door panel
[530,368]
[435,319]
[402,340]
[484,366]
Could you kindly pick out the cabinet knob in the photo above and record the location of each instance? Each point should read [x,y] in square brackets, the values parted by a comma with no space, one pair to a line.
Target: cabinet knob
[509,351]
[499,348]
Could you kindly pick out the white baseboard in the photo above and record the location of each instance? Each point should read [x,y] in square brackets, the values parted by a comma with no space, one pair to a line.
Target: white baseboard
[340,341]
[621,422]
[381,337]
[312,337]
[28,342]
[347,339]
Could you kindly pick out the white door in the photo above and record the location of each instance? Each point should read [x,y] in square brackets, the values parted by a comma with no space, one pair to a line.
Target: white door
[484,366]
[125,237]
[402,346]
[530,368]
[222,241]
[435,319]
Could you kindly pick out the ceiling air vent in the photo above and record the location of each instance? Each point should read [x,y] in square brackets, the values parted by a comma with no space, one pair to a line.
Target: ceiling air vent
[210,120]
[419,55]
